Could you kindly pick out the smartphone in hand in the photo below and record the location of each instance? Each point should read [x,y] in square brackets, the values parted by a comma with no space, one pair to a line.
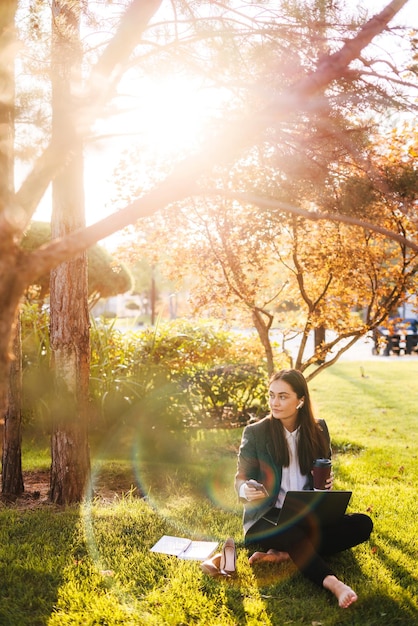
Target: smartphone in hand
[256,485]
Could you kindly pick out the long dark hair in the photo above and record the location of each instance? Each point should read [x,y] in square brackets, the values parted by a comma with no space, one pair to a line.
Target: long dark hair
[312,443]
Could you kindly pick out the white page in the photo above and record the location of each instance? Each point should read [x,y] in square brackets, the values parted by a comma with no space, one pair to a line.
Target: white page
[171,545]
[199,550]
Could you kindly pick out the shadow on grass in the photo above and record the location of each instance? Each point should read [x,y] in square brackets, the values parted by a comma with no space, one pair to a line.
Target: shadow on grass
[376,605]
[403,546]
[290,598]
[35,548]
[233,597]
[405,578]
[399,572]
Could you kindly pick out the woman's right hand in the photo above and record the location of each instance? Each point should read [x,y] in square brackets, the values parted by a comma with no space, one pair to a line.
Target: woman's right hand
[254,491]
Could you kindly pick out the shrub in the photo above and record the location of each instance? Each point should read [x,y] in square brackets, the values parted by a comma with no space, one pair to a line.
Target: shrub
[194,374]
[227,394]
[36,375]
[177,374]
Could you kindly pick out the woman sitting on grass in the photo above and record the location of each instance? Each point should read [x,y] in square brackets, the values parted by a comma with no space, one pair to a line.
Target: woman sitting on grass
[279,451]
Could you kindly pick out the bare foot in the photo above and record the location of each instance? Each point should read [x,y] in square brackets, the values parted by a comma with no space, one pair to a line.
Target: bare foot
[344,594]
[272,556]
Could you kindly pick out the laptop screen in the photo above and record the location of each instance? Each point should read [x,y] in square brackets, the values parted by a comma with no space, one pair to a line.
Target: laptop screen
[320,507]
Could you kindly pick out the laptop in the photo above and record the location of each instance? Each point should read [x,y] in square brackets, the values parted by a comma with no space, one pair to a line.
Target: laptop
[313,507]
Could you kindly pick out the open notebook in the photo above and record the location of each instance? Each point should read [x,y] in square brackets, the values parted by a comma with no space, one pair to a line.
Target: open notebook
[185,548]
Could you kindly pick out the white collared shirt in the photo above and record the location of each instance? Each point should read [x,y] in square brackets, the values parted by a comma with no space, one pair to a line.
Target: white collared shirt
[292,478]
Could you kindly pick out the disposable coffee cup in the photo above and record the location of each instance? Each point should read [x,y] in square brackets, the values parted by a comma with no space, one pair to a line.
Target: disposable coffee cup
[321,472]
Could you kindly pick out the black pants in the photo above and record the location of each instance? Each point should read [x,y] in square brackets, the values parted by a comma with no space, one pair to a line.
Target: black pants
[307,543]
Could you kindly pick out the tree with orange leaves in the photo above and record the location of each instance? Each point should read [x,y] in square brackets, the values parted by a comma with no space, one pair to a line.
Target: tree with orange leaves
[328,75]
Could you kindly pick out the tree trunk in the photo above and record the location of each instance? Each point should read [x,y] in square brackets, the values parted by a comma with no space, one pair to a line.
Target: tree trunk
[12,478]
[11,288]
[263,332]
[69,323]
[69,332]
[319,339]
[12,439]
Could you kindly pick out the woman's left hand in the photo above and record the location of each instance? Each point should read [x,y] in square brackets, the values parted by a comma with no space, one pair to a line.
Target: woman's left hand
[329,482]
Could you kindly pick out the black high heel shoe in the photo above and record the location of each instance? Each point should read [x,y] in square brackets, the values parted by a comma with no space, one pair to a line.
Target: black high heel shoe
[228,558]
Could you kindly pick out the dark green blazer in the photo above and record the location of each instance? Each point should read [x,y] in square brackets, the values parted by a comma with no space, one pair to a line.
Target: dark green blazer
[256,460]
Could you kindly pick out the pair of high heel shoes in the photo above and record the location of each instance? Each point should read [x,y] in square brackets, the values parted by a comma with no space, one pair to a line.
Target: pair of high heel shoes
[223,563]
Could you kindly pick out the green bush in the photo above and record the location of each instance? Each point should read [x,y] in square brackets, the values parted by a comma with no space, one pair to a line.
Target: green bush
[36,375]
[178,374]
[181,373]
[231,394]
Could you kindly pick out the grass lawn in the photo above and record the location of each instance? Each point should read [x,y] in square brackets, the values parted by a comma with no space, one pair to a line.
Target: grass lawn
[91,565]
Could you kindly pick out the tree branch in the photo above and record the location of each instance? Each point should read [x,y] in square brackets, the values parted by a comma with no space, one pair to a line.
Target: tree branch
[103,79]
[181,183]
[270,203]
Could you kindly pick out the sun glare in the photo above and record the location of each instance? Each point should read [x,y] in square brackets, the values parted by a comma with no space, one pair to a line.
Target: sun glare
[163,119]
[165,116]
[174,113]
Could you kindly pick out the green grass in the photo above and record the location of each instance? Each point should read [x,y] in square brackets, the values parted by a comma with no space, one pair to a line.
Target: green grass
[91,565]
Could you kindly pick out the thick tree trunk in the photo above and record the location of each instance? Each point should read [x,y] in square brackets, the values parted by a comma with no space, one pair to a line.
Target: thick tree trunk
[12,483]
[11,288]
[69,330]
[10,400]
[69,323]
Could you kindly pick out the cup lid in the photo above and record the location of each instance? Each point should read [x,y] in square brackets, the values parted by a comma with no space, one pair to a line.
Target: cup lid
[319,462]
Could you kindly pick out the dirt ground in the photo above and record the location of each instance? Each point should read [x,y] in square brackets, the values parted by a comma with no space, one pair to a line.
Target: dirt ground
[36,485]
[36,489]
